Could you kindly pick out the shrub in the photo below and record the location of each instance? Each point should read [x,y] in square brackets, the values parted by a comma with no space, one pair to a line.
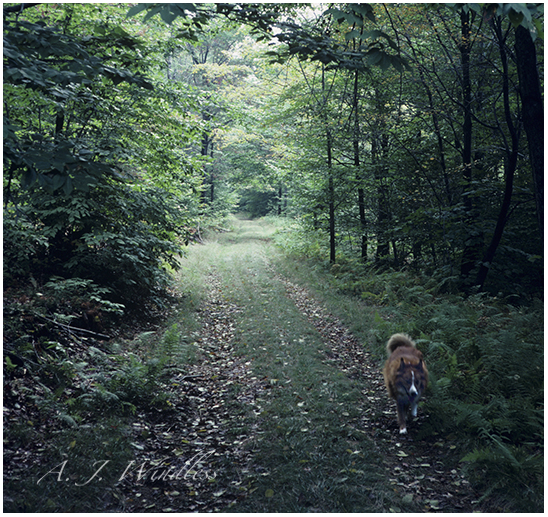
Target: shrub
[115,235]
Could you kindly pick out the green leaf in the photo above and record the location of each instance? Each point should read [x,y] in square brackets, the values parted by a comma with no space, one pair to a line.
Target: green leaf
[352,34]
[515,18]
[58,181]
[374,56]
[68,186]
[136,9]
[365,10]
[168,15]
[29,177]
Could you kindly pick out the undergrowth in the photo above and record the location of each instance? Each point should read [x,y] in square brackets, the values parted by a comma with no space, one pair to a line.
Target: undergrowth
[484,354]
[69,405]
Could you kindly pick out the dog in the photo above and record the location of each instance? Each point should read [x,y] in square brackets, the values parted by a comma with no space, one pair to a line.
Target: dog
[405,376]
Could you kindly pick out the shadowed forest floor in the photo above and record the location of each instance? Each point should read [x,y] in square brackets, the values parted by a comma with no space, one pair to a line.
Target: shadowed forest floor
[269,404]
[283,409]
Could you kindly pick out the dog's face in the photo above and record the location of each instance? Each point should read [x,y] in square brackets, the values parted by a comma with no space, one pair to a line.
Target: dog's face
[410,381]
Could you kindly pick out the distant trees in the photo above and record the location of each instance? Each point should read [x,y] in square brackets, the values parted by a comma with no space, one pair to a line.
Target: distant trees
[438,163]
[408,137]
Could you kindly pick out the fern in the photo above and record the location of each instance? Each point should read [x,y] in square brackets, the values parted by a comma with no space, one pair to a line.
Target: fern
[506,470]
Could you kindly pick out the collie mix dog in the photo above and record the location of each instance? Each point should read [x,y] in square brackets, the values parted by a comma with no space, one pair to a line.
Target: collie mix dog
[405,376]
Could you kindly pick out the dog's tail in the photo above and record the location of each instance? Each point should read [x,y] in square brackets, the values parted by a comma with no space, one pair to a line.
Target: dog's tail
[398,340]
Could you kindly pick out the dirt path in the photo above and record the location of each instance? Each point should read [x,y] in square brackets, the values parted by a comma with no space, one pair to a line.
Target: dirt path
[222,429]
[417,469]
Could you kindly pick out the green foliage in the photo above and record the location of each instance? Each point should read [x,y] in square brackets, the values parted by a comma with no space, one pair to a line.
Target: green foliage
[396,141]
[82,399]
[22,244]
[115,236]
[485,358]
[81,124]
[510,471]
[257,204]
[302,237]
[75,291]
[119,137]
[46,72]
[316,44]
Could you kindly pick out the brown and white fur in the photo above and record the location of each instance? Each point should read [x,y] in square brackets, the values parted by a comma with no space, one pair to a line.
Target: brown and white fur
[405,376]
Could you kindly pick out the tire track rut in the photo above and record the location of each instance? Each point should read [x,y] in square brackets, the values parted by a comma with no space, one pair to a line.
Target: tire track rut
[419,470]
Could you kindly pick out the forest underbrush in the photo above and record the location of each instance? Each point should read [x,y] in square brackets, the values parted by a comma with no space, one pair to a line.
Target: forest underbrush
[485,356]
[73,400]
[249,377]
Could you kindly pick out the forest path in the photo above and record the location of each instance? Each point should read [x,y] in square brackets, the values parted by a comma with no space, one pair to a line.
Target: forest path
[289,410]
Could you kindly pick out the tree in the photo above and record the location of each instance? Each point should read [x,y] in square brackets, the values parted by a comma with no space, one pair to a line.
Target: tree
[82,119]
[510,165]
[533,113]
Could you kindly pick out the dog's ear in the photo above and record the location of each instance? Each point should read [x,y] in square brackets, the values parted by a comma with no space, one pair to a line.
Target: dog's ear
[419,366]
[402,363]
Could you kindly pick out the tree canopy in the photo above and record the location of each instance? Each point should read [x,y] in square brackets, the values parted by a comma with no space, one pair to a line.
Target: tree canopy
[403,136]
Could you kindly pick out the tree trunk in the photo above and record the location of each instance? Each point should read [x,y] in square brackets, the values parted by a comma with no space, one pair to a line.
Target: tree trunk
[332,243]
[509,166]
[331,185]
[533,113]
[378,156]
[331,196]
[361,196]
[472,246]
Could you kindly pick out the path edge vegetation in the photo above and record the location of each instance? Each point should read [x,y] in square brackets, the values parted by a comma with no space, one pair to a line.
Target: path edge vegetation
[95,218]
[485,356]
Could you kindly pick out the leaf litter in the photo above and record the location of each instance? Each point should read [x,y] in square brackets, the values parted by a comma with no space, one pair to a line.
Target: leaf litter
[207,437]
[419,469]
[203,440]
[196,455]
[207,425]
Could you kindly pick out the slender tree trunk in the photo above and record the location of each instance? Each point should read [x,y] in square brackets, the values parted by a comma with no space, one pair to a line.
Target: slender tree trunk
[509,166]
[361,196]
[330,180]
[332,243]
[378,151]
[331,195]
[204,152]
[59,123]
[533,113]
[472,247]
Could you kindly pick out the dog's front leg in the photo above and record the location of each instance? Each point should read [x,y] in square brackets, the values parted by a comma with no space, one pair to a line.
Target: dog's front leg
[402,410]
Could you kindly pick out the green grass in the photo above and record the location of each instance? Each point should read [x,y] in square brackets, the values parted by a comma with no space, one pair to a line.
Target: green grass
[308,456]
[485,357]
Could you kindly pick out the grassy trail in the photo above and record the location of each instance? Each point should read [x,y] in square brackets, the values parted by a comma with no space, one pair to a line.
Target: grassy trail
[314,427]
[308,452]
[262,393]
